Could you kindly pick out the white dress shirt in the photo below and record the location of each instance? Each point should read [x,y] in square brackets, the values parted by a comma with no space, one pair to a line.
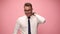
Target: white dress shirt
[22,24]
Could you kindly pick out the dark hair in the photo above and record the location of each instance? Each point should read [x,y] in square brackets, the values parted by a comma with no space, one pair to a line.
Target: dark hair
[28,4]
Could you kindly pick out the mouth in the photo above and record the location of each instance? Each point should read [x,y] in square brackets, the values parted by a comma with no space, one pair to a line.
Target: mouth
[28,14]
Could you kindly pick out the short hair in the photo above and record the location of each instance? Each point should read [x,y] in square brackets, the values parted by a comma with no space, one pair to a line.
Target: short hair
[28,4]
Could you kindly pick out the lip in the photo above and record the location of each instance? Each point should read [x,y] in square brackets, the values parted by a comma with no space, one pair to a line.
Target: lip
[27,13]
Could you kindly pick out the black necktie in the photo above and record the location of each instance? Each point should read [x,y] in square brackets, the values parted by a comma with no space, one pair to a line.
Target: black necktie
[29,30]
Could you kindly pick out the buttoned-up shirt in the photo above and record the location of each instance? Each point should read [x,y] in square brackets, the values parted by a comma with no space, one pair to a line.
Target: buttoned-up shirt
[22,24]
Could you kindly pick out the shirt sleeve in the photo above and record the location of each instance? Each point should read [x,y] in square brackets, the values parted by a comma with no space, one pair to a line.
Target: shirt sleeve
[40,19]
[17,26]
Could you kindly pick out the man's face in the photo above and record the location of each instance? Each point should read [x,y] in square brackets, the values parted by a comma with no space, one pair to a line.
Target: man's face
[28,10]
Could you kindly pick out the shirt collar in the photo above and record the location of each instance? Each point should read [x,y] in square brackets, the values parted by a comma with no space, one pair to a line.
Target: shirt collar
[30,16]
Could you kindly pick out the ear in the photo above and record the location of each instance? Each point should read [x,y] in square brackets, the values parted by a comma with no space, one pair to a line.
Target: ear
[32,8]
[33,13]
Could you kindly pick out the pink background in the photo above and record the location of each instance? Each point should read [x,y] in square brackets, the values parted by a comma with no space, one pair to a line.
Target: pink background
[12,9]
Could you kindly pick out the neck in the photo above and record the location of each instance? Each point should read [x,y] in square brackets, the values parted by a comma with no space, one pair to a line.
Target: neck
[31,14]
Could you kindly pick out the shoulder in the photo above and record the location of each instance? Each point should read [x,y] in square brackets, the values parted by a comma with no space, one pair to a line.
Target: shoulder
[37,15]
[40,18]
[21,18]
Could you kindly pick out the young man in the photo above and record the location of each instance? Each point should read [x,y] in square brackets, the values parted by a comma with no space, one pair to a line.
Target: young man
[28,24]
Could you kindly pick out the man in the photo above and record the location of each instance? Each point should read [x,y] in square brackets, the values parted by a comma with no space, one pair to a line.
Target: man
[28,23]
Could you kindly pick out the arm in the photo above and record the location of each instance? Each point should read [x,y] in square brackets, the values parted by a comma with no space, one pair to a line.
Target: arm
[40,19]
[17,26]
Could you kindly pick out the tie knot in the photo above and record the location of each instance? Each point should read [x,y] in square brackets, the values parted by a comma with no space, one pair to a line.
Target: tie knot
[28,17]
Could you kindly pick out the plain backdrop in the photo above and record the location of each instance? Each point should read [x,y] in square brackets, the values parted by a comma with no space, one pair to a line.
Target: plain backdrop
[10,10]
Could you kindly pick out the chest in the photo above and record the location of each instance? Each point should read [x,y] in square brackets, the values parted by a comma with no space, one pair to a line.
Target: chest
[33,22]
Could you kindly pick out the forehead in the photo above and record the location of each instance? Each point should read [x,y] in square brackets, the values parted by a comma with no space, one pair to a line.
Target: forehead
[27,7]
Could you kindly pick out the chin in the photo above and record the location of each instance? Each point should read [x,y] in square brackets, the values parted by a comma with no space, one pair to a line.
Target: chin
[28,15]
